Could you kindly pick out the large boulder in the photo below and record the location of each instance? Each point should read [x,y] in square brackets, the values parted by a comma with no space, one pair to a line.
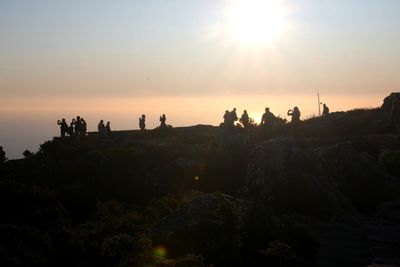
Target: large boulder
[322,182]
[388,101]
[289,179]
[356,175]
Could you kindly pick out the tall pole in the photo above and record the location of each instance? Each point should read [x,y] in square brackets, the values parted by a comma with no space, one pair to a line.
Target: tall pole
[319,106]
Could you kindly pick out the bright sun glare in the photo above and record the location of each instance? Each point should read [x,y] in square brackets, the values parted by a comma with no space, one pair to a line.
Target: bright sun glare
[256,22]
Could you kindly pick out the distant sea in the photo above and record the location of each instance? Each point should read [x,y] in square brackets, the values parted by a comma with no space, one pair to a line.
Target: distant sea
[25,124]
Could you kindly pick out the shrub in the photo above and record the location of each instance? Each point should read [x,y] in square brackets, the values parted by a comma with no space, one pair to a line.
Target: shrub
[279,253]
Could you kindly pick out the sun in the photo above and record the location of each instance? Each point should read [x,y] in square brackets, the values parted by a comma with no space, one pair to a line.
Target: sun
[256,22]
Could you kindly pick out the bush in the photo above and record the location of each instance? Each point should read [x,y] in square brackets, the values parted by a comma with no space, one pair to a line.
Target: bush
[127,250]
[279,253]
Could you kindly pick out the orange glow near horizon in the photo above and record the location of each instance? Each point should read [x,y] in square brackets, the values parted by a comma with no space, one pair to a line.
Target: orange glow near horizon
[181,111]
[28,122]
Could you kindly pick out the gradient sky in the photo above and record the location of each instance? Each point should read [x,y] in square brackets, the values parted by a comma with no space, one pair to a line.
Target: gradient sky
[51,48]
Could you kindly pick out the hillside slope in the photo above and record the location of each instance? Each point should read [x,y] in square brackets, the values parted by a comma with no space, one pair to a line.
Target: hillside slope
[325,193]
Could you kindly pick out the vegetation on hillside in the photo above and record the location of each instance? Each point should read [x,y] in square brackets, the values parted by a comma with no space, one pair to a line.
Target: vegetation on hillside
[196,196]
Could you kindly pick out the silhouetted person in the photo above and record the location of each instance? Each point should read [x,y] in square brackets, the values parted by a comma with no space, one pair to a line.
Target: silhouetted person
[63,127]
[395,111]
[227,117]
[101,128]
[142,122]
[71,128]
[108,129]
[244,119]
[295,113]
[78,125]
[267,118]
[234,116]
[325,110]
[83,127]
[163,119]
[2,155]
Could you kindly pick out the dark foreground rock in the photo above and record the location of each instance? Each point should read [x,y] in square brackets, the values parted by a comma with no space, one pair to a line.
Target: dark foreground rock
[358,240]
[321,182]
[325,193]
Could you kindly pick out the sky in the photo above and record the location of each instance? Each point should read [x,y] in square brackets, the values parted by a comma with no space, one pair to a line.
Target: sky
[192,59]
[157,47]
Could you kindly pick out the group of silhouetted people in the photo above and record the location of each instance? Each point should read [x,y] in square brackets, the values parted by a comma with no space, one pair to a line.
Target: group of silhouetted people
[104,130]
[230,117]
[77,127]
[142,122]
[268,118]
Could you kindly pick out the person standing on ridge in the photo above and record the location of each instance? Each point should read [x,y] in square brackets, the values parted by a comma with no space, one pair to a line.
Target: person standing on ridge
[267,118]
[71,128]
[101,128]
[108,129]
[142,122]
[63,127]
[83,127]
[227,118]
[78,126]
[295,113]
[234,117]
[244,119]
[163,119]
[325,110]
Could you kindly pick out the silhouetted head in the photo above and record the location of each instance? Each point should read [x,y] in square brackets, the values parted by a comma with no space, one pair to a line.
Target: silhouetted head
[108,123]
[78,118]
[143,116]
[245,111]
[226,111]
[63,120]
[295,109]
[324,105]
[101,121]
[234,109]
[266,109]
[1,148]
[82,119]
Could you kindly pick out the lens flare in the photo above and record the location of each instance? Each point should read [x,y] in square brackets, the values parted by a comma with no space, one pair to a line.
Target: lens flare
[160,251]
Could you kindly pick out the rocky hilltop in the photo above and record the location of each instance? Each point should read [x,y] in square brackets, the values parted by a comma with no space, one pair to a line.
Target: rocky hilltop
[326,193]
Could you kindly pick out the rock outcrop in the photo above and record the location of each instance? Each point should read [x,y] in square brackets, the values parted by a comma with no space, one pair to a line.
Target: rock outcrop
[320,182]
[388,101]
